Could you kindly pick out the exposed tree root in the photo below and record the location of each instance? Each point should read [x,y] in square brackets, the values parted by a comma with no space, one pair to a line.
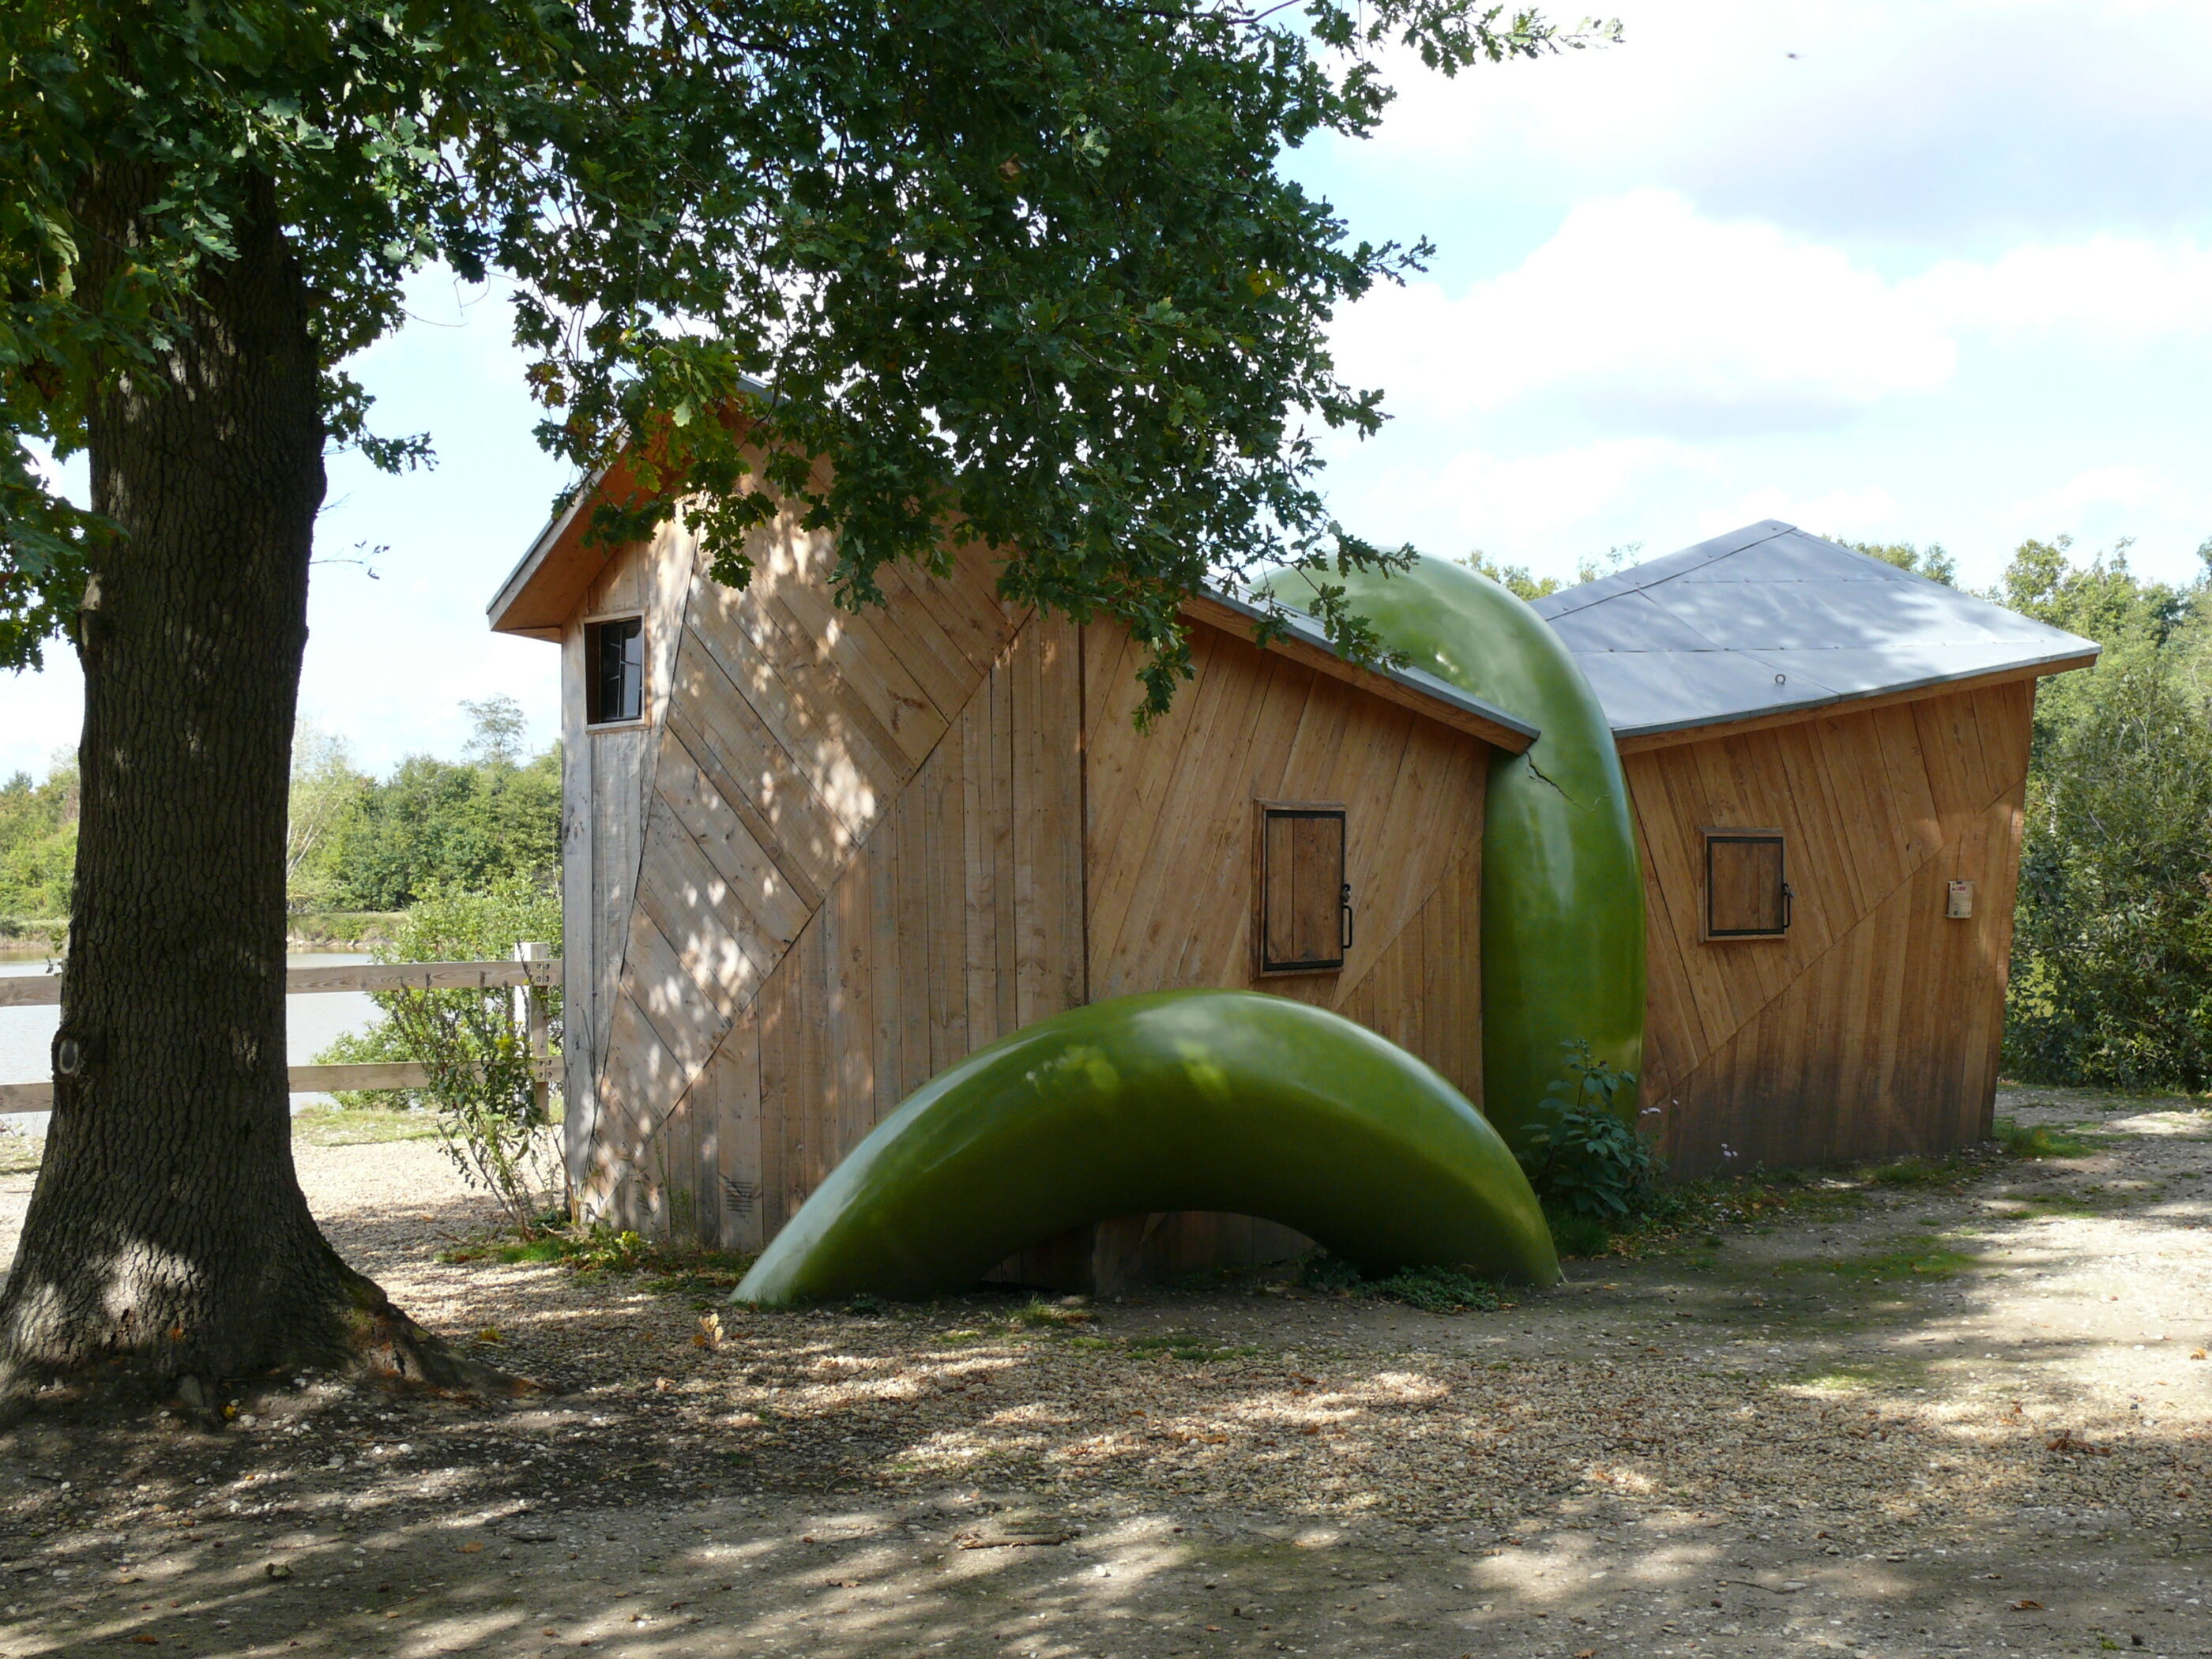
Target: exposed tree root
[367,1338]
[395,1350]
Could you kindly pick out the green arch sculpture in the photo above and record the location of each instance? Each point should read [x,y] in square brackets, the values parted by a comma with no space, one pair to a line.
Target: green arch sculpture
[1170,1100]
[1562,881]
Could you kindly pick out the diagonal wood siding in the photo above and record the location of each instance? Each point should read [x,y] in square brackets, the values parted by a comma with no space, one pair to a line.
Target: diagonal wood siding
[782,732]
[1872,1027]
[1170,864]
[869,845]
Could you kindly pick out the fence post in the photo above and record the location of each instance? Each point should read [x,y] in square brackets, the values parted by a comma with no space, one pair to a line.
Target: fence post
[541,1053]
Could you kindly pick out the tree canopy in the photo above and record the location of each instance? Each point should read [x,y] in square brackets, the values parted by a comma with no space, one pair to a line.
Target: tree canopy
[1029,273]
[2112,966]
[1032,268]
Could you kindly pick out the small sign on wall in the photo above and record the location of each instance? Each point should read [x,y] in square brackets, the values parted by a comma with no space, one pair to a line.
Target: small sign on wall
[1960,903]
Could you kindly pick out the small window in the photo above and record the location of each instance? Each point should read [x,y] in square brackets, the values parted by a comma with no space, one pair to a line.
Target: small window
[1304,908]
[1746,885]
[614,669]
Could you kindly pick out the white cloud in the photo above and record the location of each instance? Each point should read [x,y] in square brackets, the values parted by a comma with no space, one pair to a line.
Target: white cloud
[1640,311]
[1641,315]
[2090,496]
[2115,288]
[1542,507]
[1891,117]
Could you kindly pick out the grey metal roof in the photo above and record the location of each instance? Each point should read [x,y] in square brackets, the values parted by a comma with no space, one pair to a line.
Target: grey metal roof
[1767,619]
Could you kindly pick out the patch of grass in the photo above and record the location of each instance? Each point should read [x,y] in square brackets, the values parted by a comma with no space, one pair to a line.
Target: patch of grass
[1438,1290]
[1917,1259]
[360,1126]
[672,1269]
[2039,1140]
[20,1154]
[1914,1172]
[1181,1344]
[1040,1315]
[1703,1212]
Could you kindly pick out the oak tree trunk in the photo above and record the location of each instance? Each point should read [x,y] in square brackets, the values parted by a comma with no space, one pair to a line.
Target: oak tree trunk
[167,1237]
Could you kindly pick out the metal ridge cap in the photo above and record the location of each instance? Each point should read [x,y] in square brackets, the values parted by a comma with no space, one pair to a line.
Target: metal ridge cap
[1638,577]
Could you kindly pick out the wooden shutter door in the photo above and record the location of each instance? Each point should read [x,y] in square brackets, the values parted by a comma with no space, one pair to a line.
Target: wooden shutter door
[1301,880]
[1747,895]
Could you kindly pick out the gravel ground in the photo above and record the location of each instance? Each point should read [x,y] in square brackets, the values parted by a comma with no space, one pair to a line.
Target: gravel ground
[1965,1414]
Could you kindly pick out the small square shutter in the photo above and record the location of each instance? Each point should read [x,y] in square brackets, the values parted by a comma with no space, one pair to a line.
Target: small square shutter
[1304,906]
[1747,890]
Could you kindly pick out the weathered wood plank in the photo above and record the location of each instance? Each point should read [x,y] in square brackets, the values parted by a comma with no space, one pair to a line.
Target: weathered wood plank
[1884,1036]
[741,757]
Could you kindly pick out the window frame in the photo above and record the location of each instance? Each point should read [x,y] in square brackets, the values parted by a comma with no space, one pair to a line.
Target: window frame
[591,625]
[1712,835]
[1263,812]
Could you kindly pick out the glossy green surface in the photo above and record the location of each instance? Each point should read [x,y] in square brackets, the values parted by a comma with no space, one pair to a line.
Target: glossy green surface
[1173,1100]
[1562,884]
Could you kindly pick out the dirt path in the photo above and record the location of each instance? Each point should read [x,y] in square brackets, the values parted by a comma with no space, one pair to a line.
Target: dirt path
[1901,1417]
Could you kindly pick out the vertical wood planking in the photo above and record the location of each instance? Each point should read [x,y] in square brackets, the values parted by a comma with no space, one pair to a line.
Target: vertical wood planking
[584,1042]
[1172,840]
[922,950]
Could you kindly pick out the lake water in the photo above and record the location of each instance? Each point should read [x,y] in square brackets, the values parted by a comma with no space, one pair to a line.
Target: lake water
[313,1023]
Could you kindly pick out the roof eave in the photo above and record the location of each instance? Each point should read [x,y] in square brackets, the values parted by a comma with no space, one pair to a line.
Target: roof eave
[1301,639]
[1634,739]
[544,587]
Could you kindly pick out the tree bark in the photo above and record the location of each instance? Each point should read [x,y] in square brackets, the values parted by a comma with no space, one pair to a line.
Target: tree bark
[167,1237]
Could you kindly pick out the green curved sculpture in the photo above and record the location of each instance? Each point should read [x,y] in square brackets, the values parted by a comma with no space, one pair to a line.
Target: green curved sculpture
[1172,1100]
[1562,883]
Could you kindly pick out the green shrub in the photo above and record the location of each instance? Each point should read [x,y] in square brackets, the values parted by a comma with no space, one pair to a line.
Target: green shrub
[2111,979]
[473,1043]
[1581,1157]
[1574,1234]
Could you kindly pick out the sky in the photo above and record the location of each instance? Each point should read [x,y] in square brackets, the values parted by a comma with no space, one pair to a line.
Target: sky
[1930,271]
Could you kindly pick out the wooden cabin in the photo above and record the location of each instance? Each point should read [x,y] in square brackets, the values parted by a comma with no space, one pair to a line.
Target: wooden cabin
[814,856]
[1828,759]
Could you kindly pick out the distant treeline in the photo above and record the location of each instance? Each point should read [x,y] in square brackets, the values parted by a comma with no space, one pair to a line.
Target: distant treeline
[355,842]
[364,843]
[38,844]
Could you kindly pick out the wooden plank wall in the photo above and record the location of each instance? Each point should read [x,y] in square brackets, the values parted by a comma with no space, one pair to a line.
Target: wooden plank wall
[1170,840]
[960,921]
[607,779]
[1872,1027]
[862,855]
[790,736]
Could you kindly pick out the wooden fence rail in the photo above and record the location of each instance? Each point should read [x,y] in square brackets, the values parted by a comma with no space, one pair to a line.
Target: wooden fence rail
[537,973]
[305,1080]
[37,990]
